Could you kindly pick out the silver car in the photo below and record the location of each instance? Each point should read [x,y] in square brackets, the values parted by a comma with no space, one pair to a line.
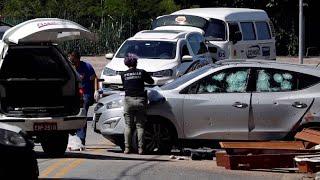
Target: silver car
[230,100]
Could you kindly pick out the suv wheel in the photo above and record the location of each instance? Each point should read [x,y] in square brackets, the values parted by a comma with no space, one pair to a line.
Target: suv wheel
[54,144]
[158,138]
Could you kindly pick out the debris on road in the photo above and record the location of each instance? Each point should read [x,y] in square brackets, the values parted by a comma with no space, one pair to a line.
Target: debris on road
[273,154]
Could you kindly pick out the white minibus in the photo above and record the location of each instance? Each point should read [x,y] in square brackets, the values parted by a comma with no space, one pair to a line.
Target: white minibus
[230,33]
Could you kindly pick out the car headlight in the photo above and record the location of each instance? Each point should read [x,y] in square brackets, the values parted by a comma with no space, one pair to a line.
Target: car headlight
[10,138]
[164,73]
[114,104]
[109,72]
[98,106]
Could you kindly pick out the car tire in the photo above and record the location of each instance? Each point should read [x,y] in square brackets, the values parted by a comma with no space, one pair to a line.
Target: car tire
[54,144]
[158,138]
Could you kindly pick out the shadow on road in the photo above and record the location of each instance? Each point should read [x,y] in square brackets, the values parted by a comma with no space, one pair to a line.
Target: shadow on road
[78,155]
[63,179]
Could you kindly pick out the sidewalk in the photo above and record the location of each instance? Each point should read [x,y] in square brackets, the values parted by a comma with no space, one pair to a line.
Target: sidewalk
[295,60]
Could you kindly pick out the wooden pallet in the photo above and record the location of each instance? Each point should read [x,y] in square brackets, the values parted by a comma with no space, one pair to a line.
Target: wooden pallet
[269,154]
[257,161]
[308,163]
[309,135]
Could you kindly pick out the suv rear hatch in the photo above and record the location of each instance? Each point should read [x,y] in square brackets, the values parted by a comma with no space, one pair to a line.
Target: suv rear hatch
[36,80]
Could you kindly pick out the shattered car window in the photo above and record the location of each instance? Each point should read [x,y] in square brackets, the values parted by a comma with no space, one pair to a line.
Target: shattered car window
[237,82]
[275,81]
[229,81]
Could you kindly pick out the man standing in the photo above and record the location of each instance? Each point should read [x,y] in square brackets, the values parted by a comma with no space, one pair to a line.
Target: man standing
[135,101]
[89,84]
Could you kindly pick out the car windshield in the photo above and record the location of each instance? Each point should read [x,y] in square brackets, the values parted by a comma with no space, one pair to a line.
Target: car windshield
[215,30]
[185,78]
[148,49]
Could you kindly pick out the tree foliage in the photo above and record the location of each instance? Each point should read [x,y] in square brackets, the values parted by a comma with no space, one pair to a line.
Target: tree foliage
[116,20]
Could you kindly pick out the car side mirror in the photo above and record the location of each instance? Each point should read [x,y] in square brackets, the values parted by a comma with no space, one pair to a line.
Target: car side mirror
[109,56]
[186,58]
[237,36]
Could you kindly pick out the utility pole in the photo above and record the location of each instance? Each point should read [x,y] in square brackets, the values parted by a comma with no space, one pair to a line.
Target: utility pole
[301,32]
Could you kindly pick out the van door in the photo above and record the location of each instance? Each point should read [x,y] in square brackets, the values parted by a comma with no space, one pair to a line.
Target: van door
[236,49]
[251,48]
[50,30]
[257,41]
[265,40]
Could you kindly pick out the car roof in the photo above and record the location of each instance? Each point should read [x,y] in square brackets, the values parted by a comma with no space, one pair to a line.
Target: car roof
[160,35]
[226,14]
[307,69]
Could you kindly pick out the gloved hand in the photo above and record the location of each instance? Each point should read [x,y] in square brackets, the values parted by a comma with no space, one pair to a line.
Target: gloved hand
[97,94]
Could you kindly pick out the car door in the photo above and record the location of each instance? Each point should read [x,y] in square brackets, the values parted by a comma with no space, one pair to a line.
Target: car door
[184,50]
[217,106]
[200,53]
[277,103]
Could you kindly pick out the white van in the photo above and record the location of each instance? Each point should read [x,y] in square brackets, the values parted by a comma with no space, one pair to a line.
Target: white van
[164,54]
[230,33]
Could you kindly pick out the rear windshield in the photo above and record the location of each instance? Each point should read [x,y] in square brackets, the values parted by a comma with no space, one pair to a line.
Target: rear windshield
[33,62]
[215,30]
[148,49]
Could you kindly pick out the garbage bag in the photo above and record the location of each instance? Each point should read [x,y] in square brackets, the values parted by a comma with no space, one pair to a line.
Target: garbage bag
[155,97]
[74,143]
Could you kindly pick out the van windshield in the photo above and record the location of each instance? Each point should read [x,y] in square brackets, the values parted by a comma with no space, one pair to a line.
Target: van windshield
[148,49]
[215,30]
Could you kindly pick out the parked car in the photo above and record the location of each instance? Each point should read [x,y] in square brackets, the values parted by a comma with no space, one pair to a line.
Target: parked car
[18,159]
[39,89]
[166,55]
[230,100]
[230,33]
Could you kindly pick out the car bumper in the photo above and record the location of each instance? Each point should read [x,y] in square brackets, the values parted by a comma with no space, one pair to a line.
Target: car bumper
[117,139]
[109,122]
[64,123]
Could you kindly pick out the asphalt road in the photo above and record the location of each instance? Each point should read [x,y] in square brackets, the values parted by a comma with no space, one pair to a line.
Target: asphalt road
[103,160]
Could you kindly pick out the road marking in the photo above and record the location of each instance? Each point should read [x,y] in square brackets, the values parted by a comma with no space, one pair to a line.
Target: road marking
[67,169]
[53,167]
[73,165]
[60,163]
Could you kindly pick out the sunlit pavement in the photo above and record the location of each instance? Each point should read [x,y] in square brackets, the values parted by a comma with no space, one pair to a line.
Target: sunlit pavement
[103,160]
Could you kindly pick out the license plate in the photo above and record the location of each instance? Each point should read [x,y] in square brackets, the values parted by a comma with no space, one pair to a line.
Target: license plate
[45,126]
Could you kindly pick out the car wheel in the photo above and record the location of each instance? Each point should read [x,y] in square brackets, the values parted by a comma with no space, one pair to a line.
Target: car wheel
[158,138]
[54,144]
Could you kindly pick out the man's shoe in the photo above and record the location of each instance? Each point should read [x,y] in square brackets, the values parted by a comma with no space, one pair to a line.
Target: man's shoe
[140,151]
[126,151]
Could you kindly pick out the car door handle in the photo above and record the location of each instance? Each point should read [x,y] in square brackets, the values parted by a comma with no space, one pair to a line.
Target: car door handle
[240,105]
[299,105]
